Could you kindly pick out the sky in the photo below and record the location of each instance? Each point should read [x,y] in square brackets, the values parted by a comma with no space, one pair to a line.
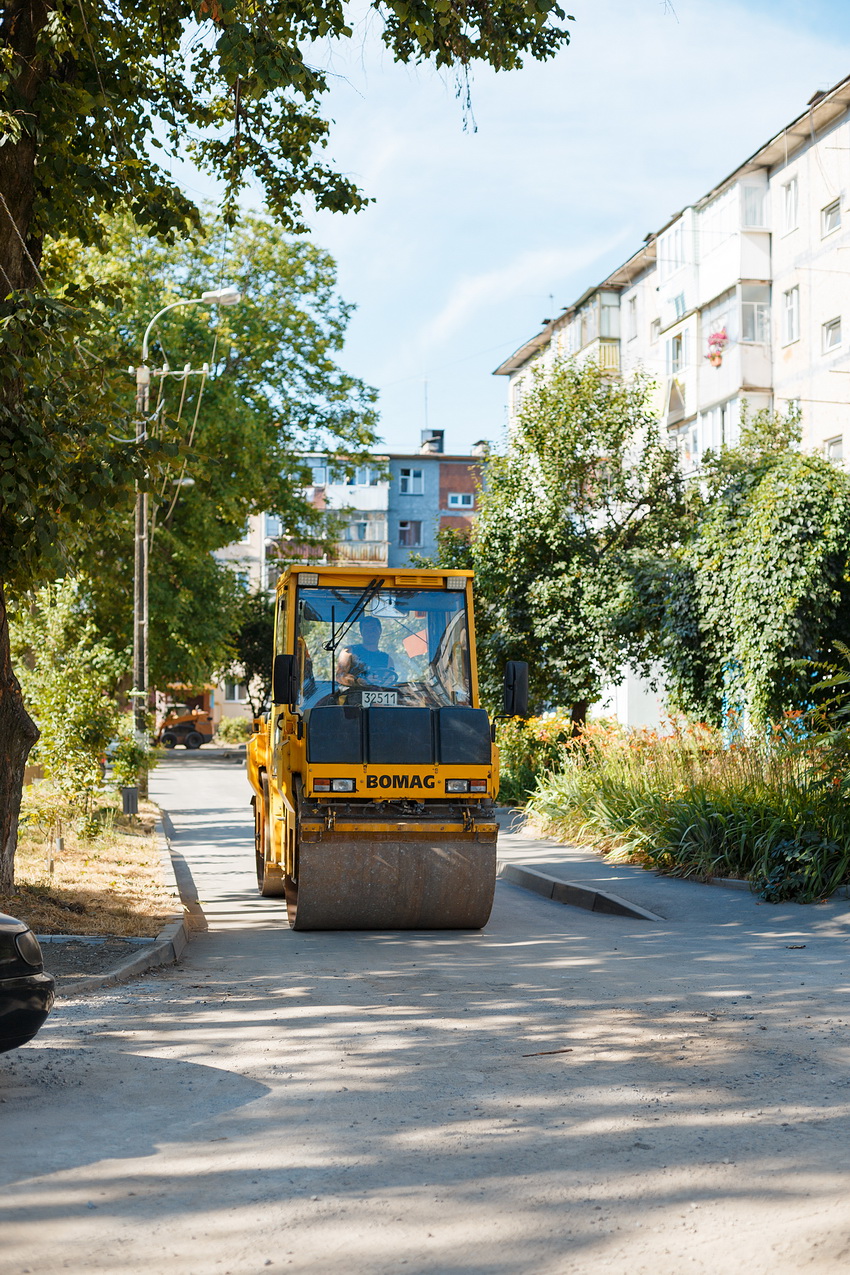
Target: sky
[478,234]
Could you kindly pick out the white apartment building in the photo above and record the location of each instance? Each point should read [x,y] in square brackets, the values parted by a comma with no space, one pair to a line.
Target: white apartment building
[741,297]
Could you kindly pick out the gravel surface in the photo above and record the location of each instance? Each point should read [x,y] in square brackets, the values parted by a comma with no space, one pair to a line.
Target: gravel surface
[74,958]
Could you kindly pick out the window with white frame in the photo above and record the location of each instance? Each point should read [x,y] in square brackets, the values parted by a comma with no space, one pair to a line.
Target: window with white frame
[790,316]
[365,476]
[235,692]
[679,305]
[671,251]
[411,482]
[357,531]
[319,475]
[677,353]
[755,312]
[834,449]
[830,218]
[609,315]
[753,212]
[461,500]
[831,335]
[654,330]
[409,534]
[633,318]
[790,205]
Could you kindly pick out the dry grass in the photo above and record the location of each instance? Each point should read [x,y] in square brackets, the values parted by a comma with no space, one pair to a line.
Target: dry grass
[110,883]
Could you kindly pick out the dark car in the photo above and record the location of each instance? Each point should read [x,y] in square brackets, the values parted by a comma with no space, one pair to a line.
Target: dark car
[26,992]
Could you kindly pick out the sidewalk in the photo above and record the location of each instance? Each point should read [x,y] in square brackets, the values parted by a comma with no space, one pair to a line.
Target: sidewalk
[669,899]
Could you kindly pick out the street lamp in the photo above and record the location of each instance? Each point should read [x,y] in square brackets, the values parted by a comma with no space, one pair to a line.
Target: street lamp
[222,296]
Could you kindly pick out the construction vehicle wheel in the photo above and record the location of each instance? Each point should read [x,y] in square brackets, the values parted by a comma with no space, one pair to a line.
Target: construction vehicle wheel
[194,739]
[168,740]
[269,875]
[380,883]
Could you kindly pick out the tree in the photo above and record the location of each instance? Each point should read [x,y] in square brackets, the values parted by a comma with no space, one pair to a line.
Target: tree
[87,92]
[253,645]
[274,391]
[761,585]
[575,520]
[69,677]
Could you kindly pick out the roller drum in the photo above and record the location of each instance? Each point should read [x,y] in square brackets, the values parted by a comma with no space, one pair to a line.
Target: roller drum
[375,882]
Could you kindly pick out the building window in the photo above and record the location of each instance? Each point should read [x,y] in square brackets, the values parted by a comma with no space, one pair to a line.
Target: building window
[654,330]
[235,692]
[633,318]
[755,312]
[319,475]
[411,482]
[830,218]
[365,476]
[790,205]
[831,337]
[356,531]
[609,315]
[754,201]
[677,353]
[679,305]
[461,500]
[791,316]
[409,534]
[834,449]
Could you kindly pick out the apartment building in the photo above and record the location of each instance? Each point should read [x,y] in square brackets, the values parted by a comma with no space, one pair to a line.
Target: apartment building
[741,297]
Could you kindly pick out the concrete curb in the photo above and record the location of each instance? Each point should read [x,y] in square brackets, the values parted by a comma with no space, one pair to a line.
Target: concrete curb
[571,894]
[165,949]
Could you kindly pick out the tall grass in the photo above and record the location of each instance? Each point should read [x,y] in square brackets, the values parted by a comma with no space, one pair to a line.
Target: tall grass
[685,804]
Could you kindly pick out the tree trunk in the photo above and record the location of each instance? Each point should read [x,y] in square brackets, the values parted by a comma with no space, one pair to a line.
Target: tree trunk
[578,717]
[21,23]
[20,253]
[18,733]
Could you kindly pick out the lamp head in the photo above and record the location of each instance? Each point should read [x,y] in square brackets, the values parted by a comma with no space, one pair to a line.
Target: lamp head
[222,296]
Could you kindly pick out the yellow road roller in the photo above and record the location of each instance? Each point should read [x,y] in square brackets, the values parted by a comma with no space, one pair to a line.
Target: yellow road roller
[375,772]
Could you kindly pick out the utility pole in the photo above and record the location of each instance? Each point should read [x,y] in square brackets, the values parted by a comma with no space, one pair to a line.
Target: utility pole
[141,629]
[140,581]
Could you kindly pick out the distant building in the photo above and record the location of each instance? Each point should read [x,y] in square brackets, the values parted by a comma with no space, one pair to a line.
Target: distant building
[390,507]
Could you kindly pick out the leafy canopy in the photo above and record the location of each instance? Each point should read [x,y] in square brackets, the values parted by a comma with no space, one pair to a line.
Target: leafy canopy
[762,584]
[274,391]
[573,519]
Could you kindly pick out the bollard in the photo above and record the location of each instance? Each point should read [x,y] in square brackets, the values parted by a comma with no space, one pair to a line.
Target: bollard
[130,801]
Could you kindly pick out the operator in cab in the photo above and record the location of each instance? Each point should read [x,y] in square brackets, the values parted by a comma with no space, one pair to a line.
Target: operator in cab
[364,663]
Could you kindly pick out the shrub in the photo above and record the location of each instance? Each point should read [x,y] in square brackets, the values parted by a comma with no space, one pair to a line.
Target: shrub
[233,730]
[688,806]
[528,749]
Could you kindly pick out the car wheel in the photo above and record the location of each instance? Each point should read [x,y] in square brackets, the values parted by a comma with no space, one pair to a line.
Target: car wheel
[194,739]
[168,740]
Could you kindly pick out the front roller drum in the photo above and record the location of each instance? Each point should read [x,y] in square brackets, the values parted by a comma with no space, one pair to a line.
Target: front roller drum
[364,883]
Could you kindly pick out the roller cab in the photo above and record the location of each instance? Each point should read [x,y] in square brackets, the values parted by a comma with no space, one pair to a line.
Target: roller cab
[375,775]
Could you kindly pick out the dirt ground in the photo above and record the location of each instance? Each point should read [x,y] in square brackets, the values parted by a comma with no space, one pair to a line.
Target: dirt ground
[111,883]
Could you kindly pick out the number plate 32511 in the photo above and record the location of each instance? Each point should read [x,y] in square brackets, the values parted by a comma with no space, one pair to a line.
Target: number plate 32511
[380,699]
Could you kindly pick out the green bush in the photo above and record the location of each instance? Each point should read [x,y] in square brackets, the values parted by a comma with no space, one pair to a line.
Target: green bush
[233,730]
[688,806]
[527,750]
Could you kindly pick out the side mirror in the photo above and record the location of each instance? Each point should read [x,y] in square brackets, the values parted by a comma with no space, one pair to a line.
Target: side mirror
[284,679]
[516,688]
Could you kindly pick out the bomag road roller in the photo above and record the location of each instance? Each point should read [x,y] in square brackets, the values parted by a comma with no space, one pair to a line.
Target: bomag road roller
[375,773]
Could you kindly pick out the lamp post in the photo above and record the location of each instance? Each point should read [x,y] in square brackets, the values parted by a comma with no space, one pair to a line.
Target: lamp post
[223,296]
